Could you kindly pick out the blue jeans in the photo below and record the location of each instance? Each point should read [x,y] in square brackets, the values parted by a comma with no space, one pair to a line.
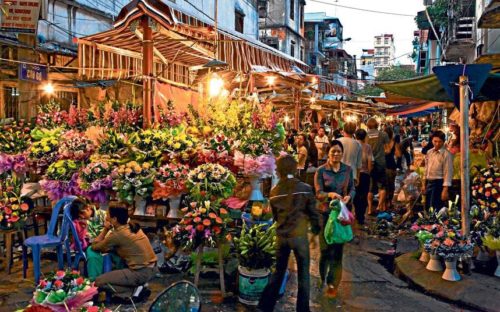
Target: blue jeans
[300,247]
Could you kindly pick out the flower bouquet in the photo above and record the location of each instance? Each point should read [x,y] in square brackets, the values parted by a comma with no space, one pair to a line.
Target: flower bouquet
[61,179]
[133,179]
[64,291]
[169,117]
[148,145]
[113,144]
[17,164]
[180,146]
[96,223]
[50,116]
[486,187]
[449,244]
[217,149]
[75,146]
[95,179]
[210,181]
[78,118]
[13,210]
[125,117]
[14,138]
[170,181]
[43,153]
[492,237]
[260,166]
[202,224]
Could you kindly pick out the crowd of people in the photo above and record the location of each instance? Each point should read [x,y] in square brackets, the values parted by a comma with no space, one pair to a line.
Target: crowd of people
[350,165]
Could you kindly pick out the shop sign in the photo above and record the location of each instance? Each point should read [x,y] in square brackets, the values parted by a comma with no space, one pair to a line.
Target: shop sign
[33,73]
[20,16]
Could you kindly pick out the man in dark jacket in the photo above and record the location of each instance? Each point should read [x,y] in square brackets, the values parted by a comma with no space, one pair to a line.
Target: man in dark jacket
[294,208]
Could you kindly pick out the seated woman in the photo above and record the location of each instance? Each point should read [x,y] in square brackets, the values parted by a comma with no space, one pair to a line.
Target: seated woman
[80,213]
[133,246]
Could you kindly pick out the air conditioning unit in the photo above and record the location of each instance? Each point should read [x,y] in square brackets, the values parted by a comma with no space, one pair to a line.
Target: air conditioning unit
[428,2]
[262,8]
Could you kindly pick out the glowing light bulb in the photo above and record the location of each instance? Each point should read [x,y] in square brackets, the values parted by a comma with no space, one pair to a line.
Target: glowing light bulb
[215,85]
[48,88]
[271,80]
[287,119]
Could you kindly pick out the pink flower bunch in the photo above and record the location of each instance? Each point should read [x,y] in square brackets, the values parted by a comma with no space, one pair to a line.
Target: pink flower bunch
[263,165]
[75,146]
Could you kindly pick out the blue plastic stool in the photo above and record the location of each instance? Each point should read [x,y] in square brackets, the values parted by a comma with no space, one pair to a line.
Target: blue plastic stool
[49,240]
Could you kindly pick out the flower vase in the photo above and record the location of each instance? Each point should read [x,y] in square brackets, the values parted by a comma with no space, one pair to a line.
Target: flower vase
[174,203]
[451,274]
[434,263]
[256,194]
[483,255]
[140,206]
[424,256]
[497,271]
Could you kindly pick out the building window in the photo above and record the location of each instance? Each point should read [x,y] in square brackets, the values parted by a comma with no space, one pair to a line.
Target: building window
[302,53]
[386,40]
[378,41]
[386,50]
[11,102]
[239,19]
[292,48]
[292,9]
[386,61]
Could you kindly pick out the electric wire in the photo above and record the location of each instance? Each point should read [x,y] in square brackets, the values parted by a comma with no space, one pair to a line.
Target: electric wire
[364,10]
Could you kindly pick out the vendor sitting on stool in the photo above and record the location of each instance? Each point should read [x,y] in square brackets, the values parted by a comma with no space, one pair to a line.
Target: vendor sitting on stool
[438,172]
[133,246]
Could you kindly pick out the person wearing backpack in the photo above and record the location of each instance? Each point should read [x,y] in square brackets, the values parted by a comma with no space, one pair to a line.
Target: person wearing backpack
[333,180]
[294,208]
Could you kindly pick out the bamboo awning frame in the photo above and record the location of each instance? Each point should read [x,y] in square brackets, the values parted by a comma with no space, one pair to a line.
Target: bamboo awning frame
[182,44]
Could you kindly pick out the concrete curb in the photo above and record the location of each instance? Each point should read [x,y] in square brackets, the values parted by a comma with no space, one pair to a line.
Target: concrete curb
[477,291]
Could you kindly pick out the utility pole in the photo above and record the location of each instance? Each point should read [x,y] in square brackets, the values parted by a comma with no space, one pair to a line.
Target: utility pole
[464,153]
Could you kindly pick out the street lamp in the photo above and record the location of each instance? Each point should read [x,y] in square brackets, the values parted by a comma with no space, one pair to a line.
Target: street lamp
[48,89]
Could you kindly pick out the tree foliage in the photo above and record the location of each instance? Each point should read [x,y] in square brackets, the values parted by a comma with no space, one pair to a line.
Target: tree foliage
[438,12]
[395,73]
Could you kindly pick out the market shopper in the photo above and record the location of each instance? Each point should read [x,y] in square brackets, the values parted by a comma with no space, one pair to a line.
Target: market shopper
[438,172]
[352,150]
[294,208]
[379,142]
[334,180]
[302,156]
[361,199]
[133,246]
[390,169]
[322,143]
[312,151]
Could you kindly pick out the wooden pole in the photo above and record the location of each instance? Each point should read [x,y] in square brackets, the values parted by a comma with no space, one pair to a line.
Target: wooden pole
[464,153]
[147,71]
[297,108]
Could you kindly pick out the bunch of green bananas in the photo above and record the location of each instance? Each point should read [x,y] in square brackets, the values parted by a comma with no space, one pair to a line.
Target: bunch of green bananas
[256,246]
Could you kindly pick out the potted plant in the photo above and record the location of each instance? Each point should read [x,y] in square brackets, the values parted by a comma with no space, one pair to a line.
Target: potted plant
[256,248]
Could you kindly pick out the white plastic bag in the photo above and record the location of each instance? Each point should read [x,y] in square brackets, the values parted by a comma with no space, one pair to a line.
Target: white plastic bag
[344,213]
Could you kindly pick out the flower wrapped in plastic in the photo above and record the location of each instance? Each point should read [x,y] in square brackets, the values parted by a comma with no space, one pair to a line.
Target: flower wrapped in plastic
[261,166]
[51,116]
[43,153]
[13,163]
[148,145]
[14,138]
[486,187]
[61,179]
[75,146]
[133,179]
[113,144]
[14,211]
[170,181]
[64,291]
[210,181]
[180,146]
[95,179]
[203,223]
[492,237]
[217,149]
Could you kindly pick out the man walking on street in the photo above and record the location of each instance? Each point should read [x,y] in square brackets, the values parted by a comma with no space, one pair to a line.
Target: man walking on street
[352,150]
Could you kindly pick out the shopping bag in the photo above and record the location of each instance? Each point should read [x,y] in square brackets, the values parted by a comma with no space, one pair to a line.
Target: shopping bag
[345,216]
[335,232]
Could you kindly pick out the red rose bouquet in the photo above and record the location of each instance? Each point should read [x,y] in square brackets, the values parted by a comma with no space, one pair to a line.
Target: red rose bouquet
[170,181]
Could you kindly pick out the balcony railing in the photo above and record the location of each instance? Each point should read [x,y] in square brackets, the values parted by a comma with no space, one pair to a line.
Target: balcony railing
[459,37]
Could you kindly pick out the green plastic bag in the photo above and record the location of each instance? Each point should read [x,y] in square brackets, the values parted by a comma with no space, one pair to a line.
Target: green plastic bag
[335,232]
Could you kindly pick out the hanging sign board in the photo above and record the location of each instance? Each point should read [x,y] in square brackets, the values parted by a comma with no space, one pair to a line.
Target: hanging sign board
[20,16]
[33,73]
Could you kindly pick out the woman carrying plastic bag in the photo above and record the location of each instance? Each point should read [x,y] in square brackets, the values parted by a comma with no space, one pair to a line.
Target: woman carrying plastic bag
[334,180]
